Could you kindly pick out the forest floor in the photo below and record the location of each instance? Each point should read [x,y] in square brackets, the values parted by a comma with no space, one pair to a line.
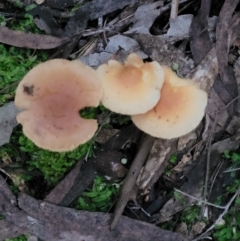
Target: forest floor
[123,183]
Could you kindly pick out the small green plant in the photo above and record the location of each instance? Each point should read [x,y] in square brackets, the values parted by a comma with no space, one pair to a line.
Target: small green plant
[230,228]
[100,197]
[173,159]
[179,197]
[190,215]
[19,238]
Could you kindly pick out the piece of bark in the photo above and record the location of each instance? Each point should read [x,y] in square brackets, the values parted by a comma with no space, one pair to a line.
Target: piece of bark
[55,223]
[8,121]
[13,215]
[61,190]
[156,163]
[6,191]
[206,71]
[28,40]
[9,230]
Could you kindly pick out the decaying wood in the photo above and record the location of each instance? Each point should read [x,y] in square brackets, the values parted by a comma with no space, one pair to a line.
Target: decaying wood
[55,223]
[9,230]
[156,162]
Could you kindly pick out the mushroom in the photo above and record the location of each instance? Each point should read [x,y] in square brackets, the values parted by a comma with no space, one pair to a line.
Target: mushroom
[130,88]
[179,110]
[50,96]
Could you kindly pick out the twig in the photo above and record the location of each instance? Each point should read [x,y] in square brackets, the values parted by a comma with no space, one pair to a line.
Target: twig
[215,174]
[203,235]
[174,9]
[209,143]
[131,178]
[3,182]
[199,200]
[9,86]
[232,170]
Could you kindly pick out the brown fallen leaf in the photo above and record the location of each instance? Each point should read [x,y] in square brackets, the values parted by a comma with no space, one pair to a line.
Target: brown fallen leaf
[200,42]
[28,40]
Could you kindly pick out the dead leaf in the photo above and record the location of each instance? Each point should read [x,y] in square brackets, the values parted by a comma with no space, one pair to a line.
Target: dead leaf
[163,52]
[93,10]
[197,228]
[45,21]
[182,229]
[200,42]
[222,48]
[128,44]
[28,40]
[7,122]
[179,28]
[115,43]
[150,11]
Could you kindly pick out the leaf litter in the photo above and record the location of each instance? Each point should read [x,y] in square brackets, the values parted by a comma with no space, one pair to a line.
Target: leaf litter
[199,151]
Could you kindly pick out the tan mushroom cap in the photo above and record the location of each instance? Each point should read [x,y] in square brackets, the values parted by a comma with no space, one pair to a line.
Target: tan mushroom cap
[179,110]
[130,88]
[51,95]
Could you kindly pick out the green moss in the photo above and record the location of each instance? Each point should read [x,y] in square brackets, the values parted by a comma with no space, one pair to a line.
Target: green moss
[53,165]
[100,197]
[19,238]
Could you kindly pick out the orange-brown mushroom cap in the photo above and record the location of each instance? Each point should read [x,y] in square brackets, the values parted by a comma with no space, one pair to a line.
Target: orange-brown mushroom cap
[51,95]
[179,110]
[130,88]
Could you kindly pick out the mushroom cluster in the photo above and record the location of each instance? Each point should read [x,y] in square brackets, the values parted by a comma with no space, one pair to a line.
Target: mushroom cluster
[52,94]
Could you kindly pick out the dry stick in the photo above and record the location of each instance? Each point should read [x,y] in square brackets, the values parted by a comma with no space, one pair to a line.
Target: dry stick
[214,177]
[174,9]
[199,200]
[232,170]
[203,235]
[205,190]
[8,87]
[131,177]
